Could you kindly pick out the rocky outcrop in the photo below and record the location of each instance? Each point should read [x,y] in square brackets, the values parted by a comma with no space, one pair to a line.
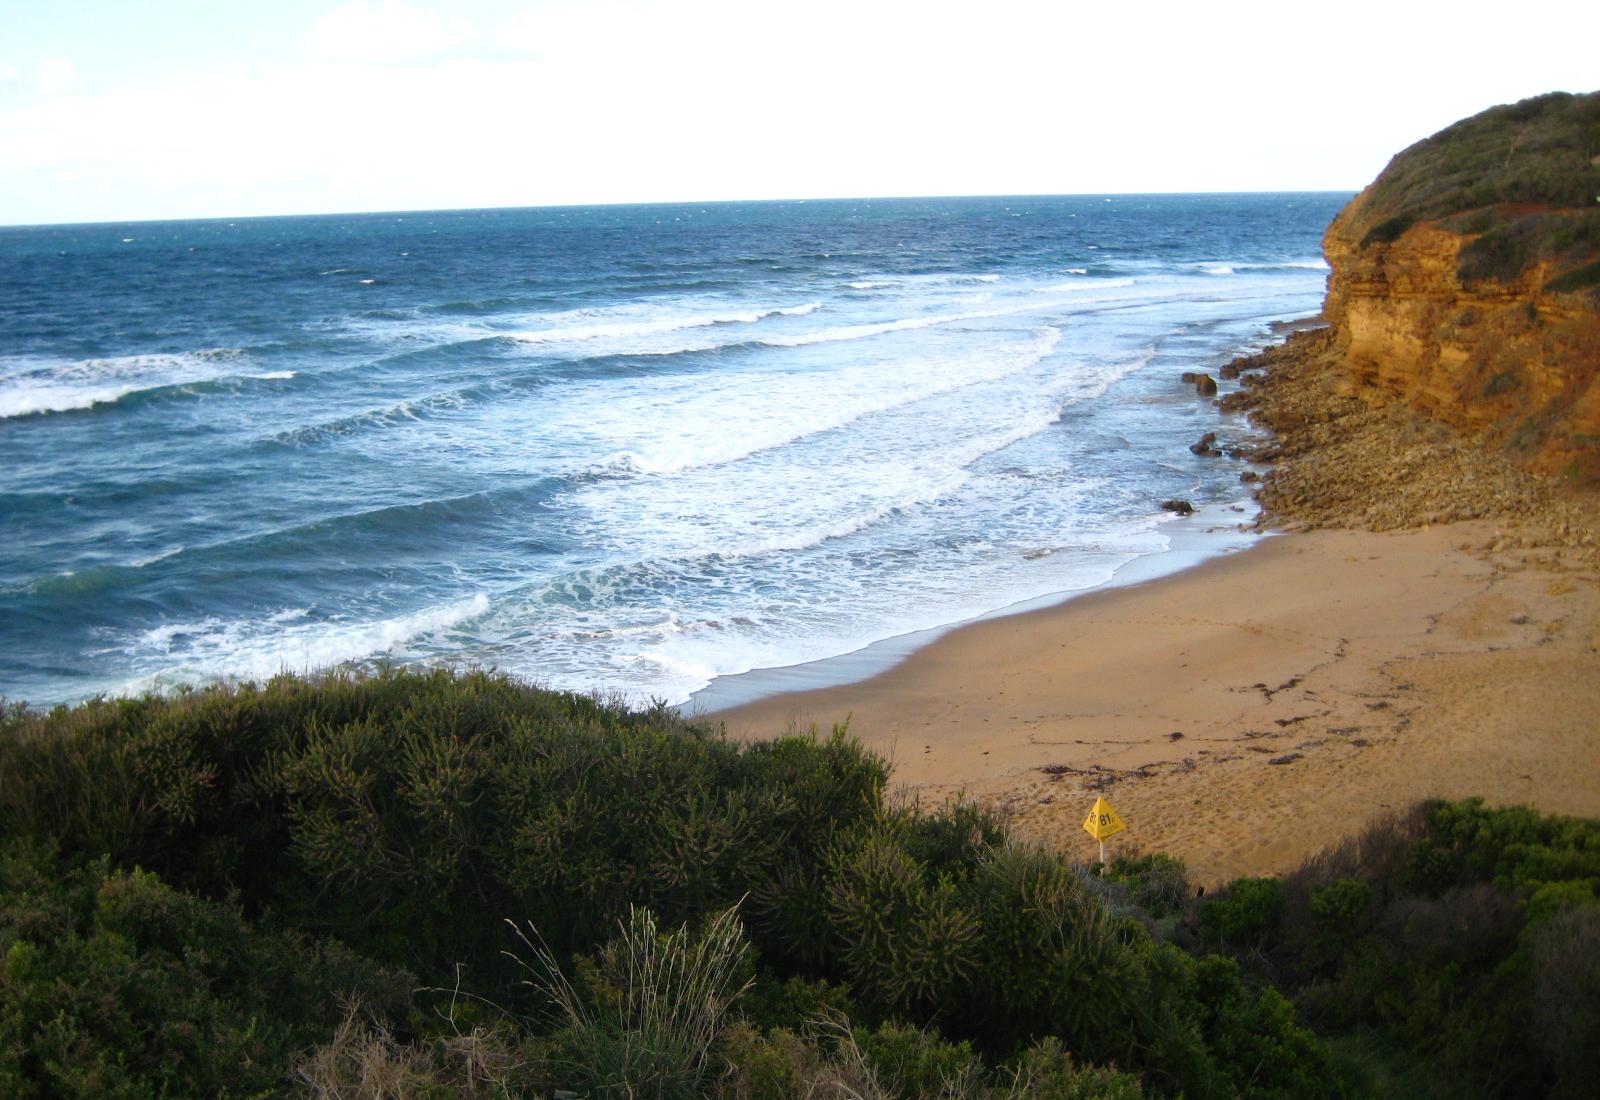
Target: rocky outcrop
[1511,362]
[1341,458]
[1485,317]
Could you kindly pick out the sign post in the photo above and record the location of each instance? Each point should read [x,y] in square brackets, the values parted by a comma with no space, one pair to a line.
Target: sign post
[1102,822]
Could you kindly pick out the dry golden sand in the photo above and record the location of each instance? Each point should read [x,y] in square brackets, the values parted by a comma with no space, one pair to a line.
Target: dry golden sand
[1250,711]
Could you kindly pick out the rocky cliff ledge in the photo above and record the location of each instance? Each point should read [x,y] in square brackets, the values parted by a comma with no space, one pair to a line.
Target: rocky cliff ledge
[1466,281]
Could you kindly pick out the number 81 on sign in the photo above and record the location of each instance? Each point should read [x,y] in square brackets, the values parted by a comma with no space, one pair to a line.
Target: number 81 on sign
[1103,821]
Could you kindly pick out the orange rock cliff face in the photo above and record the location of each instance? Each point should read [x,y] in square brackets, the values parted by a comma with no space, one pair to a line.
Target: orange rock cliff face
[1507,358]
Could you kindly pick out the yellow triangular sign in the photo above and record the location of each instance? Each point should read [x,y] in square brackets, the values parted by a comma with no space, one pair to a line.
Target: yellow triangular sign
[1103,821]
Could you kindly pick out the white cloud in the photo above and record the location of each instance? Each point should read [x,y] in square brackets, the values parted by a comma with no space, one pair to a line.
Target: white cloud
[391,105]
[386,31]
[55,76]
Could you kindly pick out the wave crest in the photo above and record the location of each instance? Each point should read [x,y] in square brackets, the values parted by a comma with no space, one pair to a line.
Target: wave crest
[29,388]
[613,329]
[258,649]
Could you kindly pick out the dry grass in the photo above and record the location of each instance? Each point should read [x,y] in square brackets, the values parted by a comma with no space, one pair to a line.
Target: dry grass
[364,1061]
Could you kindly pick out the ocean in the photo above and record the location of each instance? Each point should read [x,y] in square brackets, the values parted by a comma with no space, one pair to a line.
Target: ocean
[622,449]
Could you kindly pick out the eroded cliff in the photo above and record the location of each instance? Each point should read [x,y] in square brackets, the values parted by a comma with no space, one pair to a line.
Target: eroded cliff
[1466,281]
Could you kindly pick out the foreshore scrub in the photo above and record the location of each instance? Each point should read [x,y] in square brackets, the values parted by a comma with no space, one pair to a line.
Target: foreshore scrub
[305,885]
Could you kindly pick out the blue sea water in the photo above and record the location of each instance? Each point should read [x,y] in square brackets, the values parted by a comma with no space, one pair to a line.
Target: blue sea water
[625,449]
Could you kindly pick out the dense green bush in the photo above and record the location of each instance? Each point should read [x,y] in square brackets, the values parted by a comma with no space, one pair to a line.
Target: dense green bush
[1246,915]
[290,831]
[646,1016]
[1156,883]
[408,813]
[1438,935]
[113,984]
[653,1015]
[1045,1071]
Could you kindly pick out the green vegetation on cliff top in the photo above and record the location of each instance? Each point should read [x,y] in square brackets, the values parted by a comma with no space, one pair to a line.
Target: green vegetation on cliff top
[305,886]
[1523,178]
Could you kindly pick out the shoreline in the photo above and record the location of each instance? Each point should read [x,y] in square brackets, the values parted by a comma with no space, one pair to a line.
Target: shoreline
[1254,708]
[1212,531]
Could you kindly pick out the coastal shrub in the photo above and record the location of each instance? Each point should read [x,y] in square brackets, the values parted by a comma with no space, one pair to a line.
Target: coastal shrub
[114,984]
[1341,906]
[1156,882]
[893,1062]
[783,1065]
[1484,172]
[1389,230]
[1015,946]
[1046,1071]
[1245,913]
[1051,958]
[1431,941]
[1213,1034]
[1039,954]
[909,1061]
[792,1004]
[407,812]
[951,838]
[1506,249]
[1430,869]
[833,1059]
[1515,847]
[1564,1018]
[1378,1069]
[645,1017]
[906,939]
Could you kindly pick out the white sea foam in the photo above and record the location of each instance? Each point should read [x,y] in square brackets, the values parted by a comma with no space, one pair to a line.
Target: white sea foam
[1079,286]
[673,665]
[857,332]
[1286,265]
[29,387]
[567,332]
[256,649]
[822,488]
[776,410]
[1071,297]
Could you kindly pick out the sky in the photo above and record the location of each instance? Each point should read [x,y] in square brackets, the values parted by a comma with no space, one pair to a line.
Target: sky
[120,111]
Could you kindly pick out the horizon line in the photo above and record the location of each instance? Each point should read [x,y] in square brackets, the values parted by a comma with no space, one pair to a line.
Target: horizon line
[91,222]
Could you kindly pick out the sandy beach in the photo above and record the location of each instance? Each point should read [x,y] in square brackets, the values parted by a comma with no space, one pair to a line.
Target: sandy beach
[1248,712]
